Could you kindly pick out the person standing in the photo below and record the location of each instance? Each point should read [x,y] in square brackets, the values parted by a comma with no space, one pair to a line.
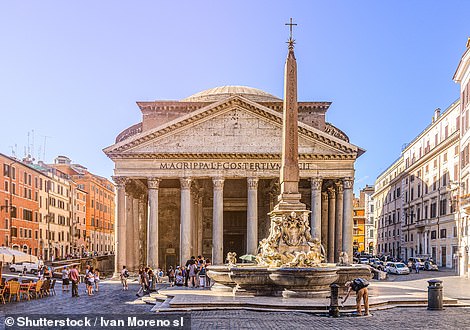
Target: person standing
[141,285]
[359,285]
[97,279]
[171,276]
[192,274]
[74,277]
[202,276]
[208,279]
[153,280]
[65,279]
[417,264]
[124,275]
[90,280]
[189,262]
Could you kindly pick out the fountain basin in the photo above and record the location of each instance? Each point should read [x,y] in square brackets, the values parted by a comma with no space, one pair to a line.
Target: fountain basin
[304,282]
[220,274]
[253,281]
[250,280]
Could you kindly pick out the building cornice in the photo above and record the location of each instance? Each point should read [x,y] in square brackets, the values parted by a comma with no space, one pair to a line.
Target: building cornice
[454,137]
[227,156]
[462,67]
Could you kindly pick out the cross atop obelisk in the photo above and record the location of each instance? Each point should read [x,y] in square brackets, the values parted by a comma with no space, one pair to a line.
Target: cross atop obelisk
[291,41]
[289,176]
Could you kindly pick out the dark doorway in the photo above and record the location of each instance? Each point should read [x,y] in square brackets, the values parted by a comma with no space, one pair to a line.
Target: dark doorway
[235,232]
[170,260]
[444,256]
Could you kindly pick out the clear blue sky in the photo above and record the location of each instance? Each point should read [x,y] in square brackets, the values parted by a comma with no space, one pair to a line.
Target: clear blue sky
[73,70]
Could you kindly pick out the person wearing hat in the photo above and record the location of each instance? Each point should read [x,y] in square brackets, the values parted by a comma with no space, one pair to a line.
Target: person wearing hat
[359,285]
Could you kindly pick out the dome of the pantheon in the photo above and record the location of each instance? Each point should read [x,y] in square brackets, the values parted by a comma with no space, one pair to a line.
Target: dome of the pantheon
[220,93]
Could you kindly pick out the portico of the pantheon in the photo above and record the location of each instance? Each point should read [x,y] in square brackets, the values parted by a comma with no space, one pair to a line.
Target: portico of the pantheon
[199,177]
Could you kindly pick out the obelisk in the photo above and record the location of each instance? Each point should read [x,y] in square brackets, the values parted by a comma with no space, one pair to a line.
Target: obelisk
[289,199]
[290,243]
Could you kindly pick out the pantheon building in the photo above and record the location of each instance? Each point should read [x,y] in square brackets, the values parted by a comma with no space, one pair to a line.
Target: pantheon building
[199,176]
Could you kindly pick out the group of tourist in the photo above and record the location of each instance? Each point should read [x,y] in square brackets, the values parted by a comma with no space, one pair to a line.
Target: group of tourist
[148,279]
[44,272]
[71,275]
[192,274]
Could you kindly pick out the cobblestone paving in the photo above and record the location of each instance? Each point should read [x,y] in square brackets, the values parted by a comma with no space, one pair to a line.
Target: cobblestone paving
[112,300]
[399,318]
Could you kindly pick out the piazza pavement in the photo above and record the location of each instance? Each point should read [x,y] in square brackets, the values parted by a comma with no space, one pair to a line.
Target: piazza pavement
[111,299]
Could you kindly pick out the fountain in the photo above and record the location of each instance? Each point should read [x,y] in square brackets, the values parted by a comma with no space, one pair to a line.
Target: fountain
[290,263]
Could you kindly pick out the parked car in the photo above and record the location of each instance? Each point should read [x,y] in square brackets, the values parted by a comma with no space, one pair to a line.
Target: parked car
[387,266]
[398,268]
[363,260]
[372,261]
[429,265]
[380,265]
[19,267]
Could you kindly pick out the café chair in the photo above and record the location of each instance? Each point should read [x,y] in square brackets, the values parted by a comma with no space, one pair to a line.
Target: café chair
[14,289]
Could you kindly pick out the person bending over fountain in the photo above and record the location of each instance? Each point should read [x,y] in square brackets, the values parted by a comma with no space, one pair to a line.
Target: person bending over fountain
[359,285]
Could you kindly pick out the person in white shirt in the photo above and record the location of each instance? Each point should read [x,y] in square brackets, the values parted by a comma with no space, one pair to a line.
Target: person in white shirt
[124,276]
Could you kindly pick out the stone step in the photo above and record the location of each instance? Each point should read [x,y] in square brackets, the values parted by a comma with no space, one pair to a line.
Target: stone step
[149,300]
[158,296]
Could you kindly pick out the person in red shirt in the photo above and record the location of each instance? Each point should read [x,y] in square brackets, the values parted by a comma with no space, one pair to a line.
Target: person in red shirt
[74,277]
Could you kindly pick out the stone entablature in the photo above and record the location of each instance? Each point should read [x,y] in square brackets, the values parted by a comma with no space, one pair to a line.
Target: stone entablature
[229,168]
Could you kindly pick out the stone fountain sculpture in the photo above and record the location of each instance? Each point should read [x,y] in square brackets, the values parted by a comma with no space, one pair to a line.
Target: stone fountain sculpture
[290,243]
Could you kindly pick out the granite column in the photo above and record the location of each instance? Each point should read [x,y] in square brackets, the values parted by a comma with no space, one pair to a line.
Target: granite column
[347,216]
[331,223]
[316,216]
[218,221]
[339,220]
[252,217]
[152,235]
[185,217]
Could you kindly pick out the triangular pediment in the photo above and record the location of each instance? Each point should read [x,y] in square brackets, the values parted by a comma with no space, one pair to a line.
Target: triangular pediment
[232,126]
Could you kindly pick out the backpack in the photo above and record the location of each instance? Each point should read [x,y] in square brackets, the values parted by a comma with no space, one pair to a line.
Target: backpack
[359,283]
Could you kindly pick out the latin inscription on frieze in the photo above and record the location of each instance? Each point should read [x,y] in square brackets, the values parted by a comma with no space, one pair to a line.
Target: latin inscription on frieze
[248,166]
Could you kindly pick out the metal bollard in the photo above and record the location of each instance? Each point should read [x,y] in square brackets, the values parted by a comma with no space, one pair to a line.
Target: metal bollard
[435,299]
[334,307]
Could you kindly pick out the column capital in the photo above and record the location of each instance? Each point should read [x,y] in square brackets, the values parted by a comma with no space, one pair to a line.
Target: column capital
[324,196]
[185,183]
[153,183]
[331,192]
[348,183]
[316,183]
[120,181]
[252,183]
[218,183]
[339,187]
